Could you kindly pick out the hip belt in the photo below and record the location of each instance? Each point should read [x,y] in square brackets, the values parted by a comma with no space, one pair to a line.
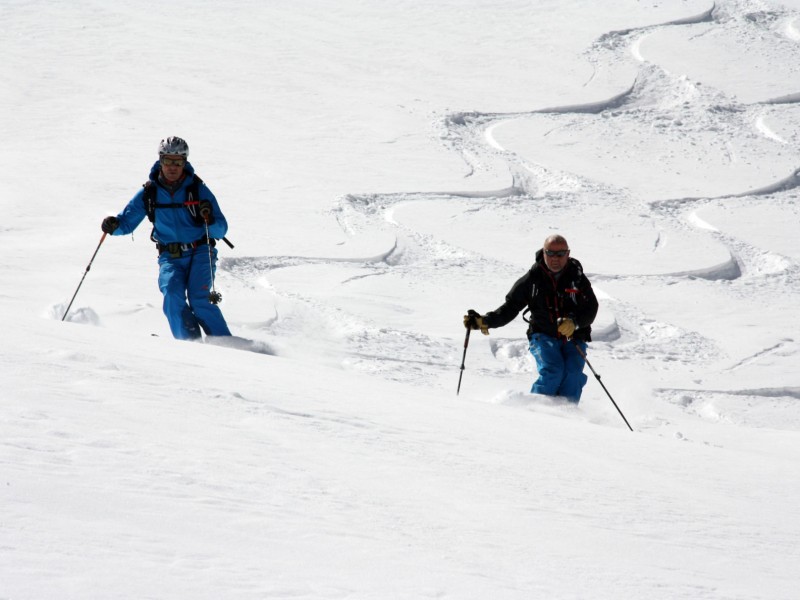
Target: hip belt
[178,249]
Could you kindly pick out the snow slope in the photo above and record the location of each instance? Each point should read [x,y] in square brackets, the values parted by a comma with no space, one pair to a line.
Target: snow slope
[384,167]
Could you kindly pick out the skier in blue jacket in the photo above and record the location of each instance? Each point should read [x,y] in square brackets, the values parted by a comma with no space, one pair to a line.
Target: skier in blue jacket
[182,209]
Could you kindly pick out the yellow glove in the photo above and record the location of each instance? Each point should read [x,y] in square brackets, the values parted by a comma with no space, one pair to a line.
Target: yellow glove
[472,320]
[566,327]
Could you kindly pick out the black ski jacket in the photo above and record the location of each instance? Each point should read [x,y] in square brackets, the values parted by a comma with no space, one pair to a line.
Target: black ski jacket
[549,298]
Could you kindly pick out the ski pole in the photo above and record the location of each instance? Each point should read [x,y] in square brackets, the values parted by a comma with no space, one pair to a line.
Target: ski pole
[463,358]
[89,266]
[581,352]
[214,296]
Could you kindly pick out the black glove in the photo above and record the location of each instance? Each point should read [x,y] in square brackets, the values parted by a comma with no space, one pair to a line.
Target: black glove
[110,224]
[206,211]
[473,320]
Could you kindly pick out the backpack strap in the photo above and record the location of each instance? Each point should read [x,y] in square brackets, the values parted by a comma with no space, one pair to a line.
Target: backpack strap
[193,199]
[150,200]
[534,292]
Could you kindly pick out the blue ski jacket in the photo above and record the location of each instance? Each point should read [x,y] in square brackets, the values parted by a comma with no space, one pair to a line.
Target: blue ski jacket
[173,223]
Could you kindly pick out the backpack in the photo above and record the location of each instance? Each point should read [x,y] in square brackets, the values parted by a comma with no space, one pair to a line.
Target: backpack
[191,202]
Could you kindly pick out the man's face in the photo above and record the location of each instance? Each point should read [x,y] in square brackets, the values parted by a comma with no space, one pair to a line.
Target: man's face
[552,259]
[172,167]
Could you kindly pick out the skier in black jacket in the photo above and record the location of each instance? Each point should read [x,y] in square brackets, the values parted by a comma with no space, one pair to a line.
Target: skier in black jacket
[562,308]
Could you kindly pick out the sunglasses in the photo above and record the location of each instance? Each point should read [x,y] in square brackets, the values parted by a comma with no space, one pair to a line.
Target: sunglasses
[172,162]
[559,253]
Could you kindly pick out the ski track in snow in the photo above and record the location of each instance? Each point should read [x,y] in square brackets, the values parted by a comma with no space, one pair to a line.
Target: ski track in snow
[652,100]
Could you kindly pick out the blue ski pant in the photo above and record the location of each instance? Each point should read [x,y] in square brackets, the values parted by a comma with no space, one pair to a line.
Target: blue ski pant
[185,282]
[560,367]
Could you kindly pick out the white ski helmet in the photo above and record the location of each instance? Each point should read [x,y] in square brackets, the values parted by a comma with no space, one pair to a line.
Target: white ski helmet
[173,146]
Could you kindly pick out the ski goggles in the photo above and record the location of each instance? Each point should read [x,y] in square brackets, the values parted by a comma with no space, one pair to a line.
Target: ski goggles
[559,253]
[172,162]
